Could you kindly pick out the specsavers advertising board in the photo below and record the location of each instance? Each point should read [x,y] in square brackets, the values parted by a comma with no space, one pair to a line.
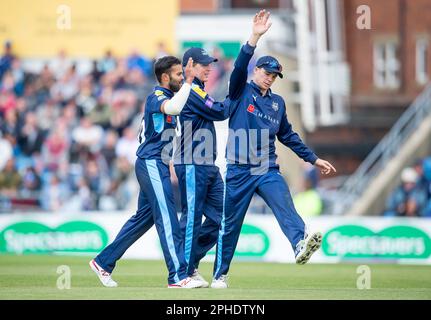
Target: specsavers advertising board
[344,239]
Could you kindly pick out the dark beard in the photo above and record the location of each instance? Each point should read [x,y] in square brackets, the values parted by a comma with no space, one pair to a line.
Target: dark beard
[174,86]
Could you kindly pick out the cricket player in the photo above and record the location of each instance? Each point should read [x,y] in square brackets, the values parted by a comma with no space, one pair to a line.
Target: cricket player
[156,200]
[255,111]
[199,179]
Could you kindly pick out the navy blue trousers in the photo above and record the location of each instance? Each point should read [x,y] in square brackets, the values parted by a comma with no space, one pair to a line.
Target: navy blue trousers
[201,189]
[155,206]
[240,188]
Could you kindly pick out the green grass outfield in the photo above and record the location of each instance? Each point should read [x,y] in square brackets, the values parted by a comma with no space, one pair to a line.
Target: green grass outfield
[35,277]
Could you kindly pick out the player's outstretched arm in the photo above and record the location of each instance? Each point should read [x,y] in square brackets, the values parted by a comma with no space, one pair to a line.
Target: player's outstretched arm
[238,78]
[175,105]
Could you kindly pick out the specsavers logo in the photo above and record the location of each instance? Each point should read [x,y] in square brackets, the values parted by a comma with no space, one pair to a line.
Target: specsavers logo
[34,237]
[395,242]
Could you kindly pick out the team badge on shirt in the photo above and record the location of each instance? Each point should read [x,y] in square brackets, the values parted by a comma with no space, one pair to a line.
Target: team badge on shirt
[275,106]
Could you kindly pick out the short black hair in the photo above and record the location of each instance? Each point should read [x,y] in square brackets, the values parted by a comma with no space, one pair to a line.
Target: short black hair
[163,65]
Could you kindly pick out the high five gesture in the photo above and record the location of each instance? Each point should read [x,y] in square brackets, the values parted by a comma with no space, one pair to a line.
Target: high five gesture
[261,24]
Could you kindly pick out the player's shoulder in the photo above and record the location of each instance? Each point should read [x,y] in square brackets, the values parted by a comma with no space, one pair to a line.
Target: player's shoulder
[198,91]
[277,97]
[156,95]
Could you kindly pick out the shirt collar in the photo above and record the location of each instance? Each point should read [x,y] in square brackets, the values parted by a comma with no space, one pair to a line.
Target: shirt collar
[199,83]
[256,88]
[167,92]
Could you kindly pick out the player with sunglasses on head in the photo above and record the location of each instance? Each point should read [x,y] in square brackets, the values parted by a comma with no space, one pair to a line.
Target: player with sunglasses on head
[260,115]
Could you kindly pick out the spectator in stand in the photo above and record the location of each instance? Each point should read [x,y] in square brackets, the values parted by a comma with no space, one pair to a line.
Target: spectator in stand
[6,151]
[136,60]
[87,136]
[137,85]
[308,202]
[119,192]
[60,64]
[21,110]
[31,137]
[407,200]
[43,83]
[6,59]
[101,114]
[95,72]
[10,179]
[84,196]
[68,86]
[127,145]
[426,165]
[54,194]
[108,63]
[18,76]
[311,176]
[55,149]
[85,100]
[70,117]
[96,183]
[7,96]
[47,114]
[108,151]
[31,183]
[9,125]
[122,112]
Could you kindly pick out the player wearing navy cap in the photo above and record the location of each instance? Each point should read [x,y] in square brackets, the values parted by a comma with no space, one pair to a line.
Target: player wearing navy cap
[261,116]
[156,200]
[200,182]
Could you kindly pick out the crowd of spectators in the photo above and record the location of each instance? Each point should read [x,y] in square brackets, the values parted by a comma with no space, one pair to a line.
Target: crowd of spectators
[68,139]
[412,198]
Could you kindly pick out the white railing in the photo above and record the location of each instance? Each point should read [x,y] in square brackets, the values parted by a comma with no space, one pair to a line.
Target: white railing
[388,147]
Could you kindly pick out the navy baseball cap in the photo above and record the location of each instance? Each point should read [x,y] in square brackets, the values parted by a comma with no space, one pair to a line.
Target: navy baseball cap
[198,55]
[270,64]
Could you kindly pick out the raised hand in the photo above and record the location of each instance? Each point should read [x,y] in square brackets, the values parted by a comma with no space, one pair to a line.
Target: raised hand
[261,22]
[189,71]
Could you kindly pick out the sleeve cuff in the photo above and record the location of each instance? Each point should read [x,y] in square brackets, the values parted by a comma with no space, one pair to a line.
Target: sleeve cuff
[248,48]
[313,159]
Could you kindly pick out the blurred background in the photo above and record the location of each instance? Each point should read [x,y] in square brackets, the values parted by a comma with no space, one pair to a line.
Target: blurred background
[73,82]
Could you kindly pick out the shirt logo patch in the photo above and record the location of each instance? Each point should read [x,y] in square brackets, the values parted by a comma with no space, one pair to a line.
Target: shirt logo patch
[209,103]
[161,97]
[158,93]
[252,109]
[169,119]
[275,106]
[254,97]
[199,91]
